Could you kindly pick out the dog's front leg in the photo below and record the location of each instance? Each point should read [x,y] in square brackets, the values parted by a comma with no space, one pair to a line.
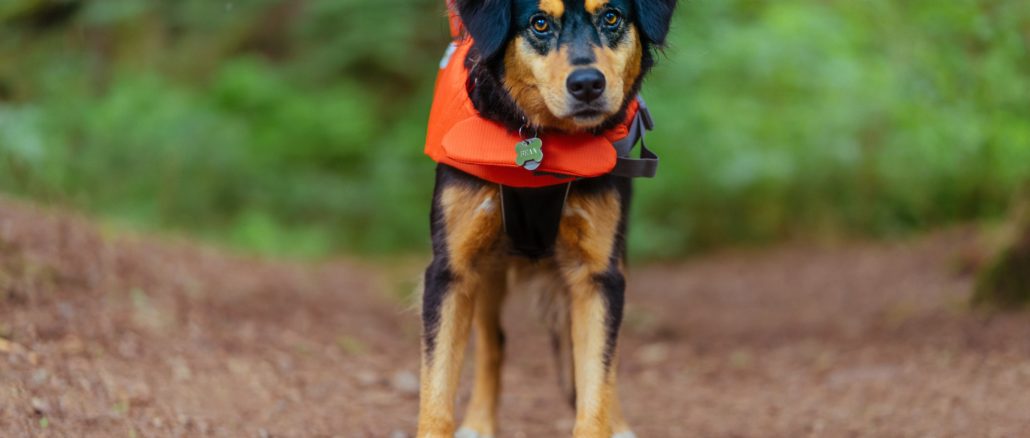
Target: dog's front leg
[590,257]
[480,417]
[596,312]
[447,314]
[465,227]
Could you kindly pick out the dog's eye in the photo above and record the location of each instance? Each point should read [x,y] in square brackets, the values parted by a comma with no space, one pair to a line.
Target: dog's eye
[612,18]
[540,24]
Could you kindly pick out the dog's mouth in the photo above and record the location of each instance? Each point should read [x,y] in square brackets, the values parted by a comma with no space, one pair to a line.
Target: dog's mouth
[588,115]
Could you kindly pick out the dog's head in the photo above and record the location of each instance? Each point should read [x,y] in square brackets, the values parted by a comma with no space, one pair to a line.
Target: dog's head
[571,65]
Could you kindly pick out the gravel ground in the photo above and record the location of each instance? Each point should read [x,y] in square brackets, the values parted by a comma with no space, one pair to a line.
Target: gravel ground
[138,336]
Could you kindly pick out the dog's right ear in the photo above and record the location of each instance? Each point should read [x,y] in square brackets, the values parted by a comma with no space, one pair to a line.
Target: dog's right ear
[488,22]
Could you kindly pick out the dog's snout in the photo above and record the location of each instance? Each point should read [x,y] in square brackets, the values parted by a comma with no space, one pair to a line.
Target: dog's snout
[586,84]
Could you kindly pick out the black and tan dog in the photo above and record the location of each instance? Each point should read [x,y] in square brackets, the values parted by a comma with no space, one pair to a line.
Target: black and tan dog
[571,66]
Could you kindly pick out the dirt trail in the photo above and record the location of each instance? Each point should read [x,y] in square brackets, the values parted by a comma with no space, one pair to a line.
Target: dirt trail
[105,336]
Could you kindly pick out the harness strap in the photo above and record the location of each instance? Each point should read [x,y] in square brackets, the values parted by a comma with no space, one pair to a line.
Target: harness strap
[647,165]
[644,167]
[531,217]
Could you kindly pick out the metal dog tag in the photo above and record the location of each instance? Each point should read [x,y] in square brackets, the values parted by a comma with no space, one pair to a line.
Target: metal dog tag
[529,153]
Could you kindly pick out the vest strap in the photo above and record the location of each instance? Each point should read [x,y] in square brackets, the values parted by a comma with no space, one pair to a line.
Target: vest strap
[454,20]
[644,167]
[647,165]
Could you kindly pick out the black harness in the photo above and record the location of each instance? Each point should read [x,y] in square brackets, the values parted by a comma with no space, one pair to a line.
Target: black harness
[532,216]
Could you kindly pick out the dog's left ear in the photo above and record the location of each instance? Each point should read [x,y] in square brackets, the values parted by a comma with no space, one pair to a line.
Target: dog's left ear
[653,17]
[488,22]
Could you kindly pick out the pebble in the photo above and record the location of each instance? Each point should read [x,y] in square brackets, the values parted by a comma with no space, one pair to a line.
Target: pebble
[181,370]
[653,354]
[39,376]
[565,425]
[405,382]
[66,310]
[367,378]
[40,406]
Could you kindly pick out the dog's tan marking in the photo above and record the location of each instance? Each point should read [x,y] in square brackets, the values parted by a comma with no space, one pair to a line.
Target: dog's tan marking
[618,422]
[593,6]
[537,84]
[554,8]
[473,225]
[586,236]
[621,65]
[586,242]
[440,376]
[480,416]
[472,243]
[594,384]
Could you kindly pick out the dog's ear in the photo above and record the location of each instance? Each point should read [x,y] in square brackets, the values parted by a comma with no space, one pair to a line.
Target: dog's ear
[653,17]
[488,22]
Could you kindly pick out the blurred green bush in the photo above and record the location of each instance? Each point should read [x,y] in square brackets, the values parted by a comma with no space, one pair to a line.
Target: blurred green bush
[295,126]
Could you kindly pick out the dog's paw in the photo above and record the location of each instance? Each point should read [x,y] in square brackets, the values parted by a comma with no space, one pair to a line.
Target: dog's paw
[469,433]
[626,434]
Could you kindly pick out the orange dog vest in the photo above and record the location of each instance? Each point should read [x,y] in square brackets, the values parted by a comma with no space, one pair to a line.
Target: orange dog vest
[459,137]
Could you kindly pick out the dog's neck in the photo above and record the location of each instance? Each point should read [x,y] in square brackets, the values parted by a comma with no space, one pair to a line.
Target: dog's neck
[492,101]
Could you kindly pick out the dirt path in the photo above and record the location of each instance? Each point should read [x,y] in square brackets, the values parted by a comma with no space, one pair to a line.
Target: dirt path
[129,337]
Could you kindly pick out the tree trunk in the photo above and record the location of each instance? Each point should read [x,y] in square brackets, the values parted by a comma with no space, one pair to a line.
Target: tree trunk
[1005,282]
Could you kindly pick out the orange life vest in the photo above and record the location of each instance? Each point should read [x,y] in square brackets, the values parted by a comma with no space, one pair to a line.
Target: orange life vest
[459,137]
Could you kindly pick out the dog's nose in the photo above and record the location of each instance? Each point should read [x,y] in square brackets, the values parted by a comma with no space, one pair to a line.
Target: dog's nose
[586,84]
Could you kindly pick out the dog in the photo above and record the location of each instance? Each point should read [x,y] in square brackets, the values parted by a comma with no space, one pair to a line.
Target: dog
[549,77]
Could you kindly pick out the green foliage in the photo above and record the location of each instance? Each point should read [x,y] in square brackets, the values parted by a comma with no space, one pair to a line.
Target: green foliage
[801,117]
[296,125]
